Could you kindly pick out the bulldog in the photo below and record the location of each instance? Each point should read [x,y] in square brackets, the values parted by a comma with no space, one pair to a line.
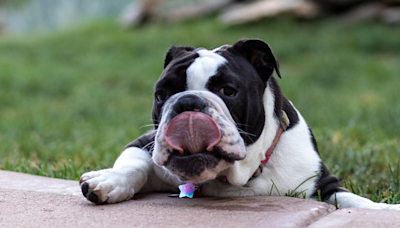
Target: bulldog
[222,124]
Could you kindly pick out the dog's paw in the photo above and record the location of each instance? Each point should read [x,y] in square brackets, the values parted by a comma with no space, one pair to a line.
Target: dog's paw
[106,186]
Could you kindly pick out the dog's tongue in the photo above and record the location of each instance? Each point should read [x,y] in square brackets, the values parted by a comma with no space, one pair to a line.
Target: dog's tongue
[192,131]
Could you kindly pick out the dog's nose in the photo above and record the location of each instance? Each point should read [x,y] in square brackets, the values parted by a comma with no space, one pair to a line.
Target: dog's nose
[188,102]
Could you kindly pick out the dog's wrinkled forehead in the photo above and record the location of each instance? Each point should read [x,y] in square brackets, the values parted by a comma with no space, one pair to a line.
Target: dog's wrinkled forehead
[202,69]
[237,74]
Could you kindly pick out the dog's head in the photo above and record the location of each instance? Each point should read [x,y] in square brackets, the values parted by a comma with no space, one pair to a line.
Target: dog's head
[209,107]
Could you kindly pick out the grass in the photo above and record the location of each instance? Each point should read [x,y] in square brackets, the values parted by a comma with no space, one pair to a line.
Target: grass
[71,100]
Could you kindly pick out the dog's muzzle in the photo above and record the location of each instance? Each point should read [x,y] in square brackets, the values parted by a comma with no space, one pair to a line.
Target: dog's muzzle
[197,138]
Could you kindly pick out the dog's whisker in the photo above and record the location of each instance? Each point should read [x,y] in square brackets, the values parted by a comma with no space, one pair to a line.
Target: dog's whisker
[245,133]
[150,145]
[149,125]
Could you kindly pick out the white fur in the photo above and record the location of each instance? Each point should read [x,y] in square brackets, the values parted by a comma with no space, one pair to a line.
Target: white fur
[204,67]
[349,200]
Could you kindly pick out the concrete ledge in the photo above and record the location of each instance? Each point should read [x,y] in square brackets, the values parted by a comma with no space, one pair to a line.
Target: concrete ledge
[34,201]
[34,209]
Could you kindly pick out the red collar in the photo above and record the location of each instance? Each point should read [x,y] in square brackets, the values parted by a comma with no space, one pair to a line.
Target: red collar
[283,124]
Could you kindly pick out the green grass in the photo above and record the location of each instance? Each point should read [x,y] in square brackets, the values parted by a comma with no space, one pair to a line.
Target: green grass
[70,101]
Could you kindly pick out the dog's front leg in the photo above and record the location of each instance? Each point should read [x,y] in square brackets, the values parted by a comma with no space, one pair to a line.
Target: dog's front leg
[350,200]
[120,183]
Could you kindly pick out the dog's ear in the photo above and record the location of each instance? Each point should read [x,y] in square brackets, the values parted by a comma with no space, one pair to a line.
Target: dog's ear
[175,51]
[260,55]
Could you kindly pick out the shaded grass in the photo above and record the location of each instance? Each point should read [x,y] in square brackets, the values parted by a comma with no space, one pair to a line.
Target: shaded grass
[70,101]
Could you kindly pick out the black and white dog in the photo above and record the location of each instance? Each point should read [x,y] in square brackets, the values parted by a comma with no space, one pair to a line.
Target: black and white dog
[222,122]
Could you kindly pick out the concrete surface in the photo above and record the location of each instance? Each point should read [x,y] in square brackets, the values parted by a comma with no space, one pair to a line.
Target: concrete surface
[363,218]
[33,201]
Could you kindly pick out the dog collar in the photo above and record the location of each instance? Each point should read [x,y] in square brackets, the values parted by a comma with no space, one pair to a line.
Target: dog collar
[191,190]
[283,124]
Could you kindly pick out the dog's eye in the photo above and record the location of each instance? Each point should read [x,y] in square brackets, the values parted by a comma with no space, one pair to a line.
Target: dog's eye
[161,95]
[228,91]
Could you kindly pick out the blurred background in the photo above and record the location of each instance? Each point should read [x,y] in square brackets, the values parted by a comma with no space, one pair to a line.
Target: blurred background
[77,77]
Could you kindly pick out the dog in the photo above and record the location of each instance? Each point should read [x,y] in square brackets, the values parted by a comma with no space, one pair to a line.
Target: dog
[222,124]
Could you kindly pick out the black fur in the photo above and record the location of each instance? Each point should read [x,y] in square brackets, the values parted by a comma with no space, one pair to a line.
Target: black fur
[144,142]
[282,103]
[175,51]
[327,184]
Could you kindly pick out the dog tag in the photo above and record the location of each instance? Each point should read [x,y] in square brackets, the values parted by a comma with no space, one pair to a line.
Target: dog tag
[187,190]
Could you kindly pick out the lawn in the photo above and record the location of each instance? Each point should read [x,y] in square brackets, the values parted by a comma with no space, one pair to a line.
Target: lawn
[71,100]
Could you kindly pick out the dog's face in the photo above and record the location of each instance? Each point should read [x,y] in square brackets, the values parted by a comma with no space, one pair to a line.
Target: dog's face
[208,107]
